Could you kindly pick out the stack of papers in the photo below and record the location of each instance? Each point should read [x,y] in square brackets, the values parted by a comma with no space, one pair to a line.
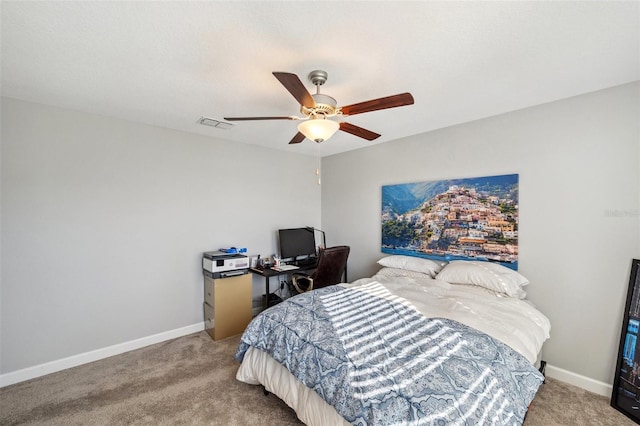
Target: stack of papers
[284,268]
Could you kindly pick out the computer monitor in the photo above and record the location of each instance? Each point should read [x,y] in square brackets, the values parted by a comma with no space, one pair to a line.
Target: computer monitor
[297,242]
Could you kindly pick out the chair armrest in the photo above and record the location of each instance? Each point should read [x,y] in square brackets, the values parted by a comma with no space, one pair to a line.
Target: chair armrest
[302,282]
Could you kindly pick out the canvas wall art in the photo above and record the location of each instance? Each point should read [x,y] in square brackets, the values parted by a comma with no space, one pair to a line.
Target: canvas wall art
[625,396]
[455,219]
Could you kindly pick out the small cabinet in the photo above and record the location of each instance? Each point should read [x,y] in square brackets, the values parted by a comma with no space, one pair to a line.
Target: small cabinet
[227,305]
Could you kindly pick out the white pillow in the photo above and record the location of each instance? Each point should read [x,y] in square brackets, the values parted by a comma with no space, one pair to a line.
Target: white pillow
[410,263]
[397,272]
[484,274]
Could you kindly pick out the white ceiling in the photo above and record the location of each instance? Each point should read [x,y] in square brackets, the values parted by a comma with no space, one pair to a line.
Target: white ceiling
[169,63]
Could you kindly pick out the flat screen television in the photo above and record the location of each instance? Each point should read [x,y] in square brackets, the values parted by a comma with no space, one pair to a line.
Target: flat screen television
[297,243]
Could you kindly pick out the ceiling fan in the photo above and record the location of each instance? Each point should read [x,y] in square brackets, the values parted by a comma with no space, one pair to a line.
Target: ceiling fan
[318,109]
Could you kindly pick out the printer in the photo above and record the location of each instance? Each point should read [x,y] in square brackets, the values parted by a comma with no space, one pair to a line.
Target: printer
[221,264]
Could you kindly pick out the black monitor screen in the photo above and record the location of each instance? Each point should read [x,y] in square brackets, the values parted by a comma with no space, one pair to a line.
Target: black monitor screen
[297,242]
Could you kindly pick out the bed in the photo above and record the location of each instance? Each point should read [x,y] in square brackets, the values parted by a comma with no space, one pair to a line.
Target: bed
[420,342]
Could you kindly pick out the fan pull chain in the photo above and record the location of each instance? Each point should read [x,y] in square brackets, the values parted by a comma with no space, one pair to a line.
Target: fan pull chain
[318,164]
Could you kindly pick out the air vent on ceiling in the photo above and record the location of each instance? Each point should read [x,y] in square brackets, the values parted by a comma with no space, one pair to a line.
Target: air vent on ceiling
[215,123]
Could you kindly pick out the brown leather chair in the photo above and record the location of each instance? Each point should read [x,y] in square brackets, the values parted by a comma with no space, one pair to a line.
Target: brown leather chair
[332,264]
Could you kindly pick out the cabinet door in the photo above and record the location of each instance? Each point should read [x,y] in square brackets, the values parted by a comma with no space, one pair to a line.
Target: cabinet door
[231,305]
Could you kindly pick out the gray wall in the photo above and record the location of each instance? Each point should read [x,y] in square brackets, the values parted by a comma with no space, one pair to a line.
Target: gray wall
[579,207]
[104,223]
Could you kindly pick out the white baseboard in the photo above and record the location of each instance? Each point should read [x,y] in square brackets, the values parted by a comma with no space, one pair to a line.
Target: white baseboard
[95,355]
[595,386]
[18,376]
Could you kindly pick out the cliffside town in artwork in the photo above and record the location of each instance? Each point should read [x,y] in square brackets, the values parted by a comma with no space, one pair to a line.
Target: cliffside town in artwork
[460,222]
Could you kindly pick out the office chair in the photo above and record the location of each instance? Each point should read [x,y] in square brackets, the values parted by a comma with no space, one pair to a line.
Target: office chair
[332,263]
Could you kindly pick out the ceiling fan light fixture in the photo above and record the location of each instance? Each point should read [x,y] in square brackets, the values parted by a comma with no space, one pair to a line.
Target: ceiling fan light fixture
[318,129]
[319,108]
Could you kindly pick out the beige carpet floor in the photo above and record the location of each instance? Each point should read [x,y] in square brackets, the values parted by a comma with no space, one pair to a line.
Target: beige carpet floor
[191,381]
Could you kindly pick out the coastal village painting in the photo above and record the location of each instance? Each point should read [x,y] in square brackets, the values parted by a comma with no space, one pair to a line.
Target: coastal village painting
[465,219]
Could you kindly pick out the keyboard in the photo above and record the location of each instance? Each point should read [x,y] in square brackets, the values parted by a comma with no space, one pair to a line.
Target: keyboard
[285,267]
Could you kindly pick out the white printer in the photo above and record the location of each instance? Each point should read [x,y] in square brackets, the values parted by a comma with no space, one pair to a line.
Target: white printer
[221,264]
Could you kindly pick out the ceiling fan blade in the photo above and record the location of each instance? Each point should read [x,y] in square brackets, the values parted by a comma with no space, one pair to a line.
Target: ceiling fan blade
[299,137]
[358,131]
[259,118]
[292,83]
[380,103]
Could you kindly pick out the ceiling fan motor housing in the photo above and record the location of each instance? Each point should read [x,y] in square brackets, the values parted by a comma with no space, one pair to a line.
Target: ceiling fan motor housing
[325,106]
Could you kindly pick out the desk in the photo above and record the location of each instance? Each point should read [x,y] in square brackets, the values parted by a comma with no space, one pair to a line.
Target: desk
[268,273]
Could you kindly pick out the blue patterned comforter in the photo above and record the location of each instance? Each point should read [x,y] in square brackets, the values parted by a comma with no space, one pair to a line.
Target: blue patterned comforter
[379,361]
